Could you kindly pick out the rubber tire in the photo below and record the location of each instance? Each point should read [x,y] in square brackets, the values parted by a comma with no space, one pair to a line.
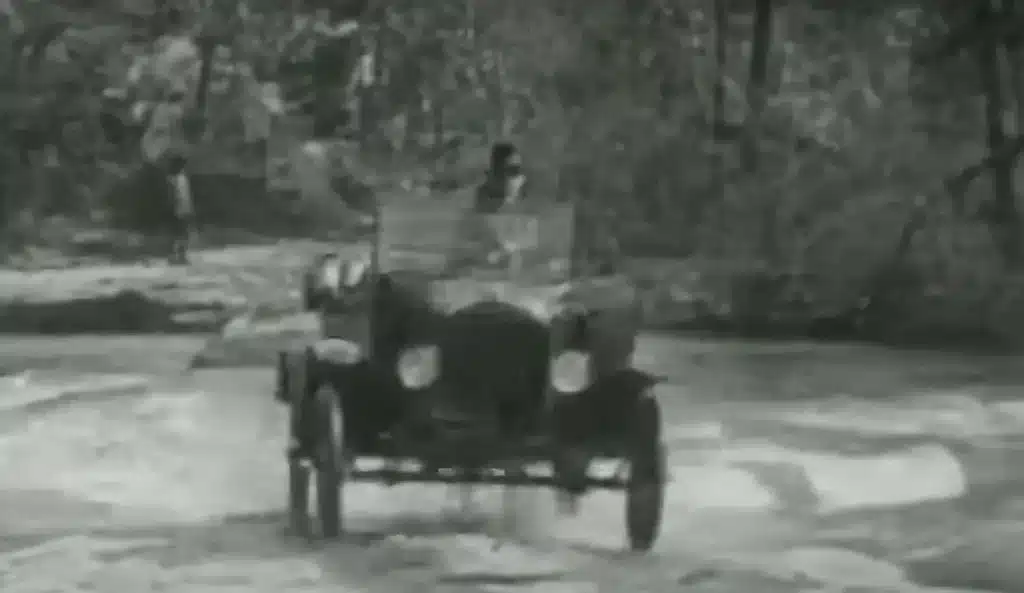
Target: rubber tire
[645,492]
[330,460]
[299,476]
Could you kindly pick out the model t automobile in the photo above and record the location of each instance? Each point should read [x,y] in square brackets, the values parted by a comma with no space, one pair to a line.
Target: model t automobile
[474,347]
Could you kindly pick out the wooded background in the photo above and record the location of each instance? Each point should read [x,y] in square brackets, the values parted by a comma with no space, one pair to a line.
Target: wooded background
[815,167]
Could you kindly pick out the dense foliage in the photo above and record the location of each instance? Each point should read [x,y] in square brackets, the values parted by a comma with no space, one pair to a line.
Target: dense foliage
[830,167]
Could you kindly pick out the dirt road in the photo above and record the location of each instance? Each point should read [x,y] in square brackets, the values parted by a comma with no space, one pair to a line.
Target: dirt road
[182,487]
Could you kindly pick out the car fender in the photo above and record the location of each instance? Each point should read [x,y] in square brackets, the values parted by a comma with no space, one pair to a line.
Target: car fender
[294,368]
[298,369]
[615,396]
[604,419]
[371,401]
[303,370]
[640,406]
[337,351]
[600,409]
[629,383]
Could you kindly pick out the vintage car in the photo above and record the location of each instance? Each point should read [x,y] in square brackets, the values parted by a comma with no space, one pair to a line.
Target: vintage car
[471,352]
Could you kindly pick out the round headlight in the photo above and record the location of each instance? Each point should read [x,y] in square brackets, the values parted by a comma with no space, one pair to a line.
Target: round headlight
[419,366]
[328,275]
[570,371]
[355,272]
[541,308]
[337,275]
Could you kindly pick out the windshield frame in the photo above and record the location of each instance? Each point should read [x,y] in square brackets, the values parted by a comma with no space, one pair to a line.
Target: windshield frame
[435,238]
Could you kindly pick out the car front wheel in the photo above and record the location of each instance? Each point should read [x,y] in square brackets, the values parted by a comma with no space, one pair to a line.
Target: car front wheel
[645,490]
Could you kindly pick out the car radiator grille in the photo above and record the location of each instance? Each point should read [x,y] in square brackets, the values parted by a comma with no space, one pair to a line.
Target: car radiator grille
[494,368]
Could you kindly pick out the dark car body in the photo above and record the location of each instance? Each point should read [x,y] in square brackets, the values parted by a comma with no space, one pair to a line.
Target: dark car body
[472,346]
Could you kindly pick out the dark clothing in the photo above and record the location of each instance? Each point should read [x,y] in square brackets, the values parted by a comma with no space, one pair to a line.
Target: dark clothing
[479,239]
[489,196]
[505,158]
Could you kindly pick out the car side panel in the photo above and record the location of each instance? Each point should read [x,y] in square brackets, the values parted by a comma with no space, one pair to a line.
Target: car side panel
[595,417]
[372,399]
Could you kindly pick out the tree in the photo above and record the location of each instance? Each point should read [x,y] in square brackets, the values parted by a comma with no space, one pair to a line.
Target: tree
[1003,215]
[777,139]
[990,31]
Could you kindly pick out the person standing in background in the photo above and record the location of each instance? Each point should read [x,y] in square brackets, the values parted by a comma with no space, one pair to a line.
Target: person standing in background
[160,91]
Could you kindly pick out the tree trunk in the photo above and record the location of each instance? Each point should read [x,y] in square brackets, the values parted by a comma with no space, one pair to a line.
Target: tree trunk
[756,96]
[701,208]
[1002,216]
[718,122]
[758,80]
[1014,56]
[197,118]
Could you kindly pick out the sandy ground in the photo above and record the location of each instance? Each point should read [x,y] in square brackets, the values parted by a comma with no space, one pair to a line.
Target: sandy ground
[181,487]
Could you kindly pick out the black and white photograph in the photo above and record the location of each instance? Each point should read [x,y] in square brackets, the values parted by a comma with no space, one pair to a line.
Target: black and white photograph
[494,296]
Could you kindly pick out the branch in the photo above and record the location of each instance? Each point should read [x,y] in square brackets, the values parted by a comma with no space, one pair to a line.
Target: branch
[958,183]
[196,118]
[968,34]
[214,30]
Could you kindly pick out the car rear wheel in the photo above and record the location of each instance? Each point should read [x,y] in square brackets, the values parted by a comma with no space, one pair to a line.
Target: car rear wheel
[291,390]
[329,460]
[316,453]
[299,475]
[645,491]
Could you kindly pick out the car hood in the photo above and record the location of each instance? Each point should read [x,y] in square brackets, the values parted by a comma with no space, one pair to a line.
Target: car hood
[545,301]
[494,361]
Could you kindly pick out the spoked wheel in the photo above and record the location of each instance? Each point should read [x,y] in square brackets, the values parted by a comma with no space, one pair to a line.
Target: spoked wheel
[645,492]
[322,463]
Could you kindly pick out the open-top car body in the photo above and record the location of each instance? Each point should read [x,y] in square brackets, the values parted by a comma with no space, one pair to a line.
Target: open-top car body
[470,351]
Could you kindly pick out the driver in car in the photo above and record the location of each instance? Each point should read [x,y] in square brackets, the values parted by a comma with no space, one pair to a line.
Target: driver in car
[505,180]
[503,187]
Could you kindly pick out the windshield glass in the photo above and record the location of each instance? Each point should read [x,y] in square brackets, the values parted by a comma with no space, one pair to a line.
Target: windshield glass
[525,245]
